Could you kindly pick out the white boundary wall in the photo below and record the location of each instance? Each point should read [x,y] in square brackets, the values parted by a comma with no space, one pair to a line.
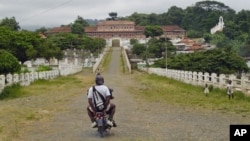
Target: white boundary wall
[99,60]
[124,54]
[200,78]
[25,79]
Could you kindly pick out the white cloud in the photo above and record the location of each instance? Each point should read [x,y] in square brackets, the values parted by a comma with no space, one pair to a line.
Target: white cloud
[58,12]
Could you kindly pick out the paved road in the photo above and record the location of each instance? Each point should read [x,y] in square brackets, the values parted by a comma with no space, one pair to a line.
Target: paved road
[136,119]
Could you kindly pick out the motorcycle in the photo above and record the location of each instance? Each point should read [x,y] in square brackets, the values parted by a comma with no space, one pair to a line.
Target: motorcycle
[101,120]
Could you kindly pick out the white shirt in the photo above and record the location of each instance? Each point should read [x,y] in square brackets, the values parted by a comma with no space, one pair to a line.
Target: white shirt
[102,89]
[229,87]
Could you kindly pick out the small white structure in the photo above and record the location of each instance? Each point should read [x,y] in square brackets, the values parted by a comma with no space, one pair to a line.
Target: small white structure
[218,27]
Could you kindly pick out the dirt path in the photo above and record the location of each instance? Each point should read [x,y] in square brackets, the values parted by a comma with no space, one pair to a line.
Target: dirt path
[136,119]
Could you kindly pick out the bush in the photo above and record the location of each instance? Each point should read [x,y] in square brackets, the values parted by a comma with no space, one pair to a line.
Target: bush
[8,63]
[43,68]
[23,70]
[10,92]
[210,87]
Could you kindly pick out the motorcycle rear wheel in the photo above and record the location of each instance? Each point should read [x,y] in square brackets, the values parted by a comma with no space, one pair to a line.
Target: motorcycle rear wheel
[101,130]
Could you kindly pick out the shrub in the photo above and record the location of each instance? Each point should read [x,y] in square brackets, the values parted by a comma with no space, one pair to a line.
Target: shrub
[43,68]
[23,70]
[210,87]
[10,91]
[8,63]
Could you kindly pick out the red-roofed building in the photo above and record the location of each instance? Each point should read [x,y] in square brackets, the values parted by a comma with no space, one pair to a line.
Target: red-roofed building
[128,30]
[65,29]
[187,45]
[121,29]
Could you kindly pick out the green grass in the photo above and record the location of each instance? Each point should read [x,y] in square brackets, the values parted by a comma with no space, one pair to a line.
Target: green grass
[107,59]
[17,91]
[39,102]
[43,68]
[10,92]
[123,65]
[160,89]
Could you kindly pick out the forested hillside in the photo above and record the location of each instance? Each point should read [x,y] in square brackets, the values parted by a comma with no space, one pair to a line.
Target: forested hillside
[200,18]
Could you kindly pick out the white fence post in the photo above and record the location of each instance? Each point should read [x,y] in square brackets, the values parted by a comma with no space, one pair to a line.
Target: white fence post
[26,79]
[214,79]
[9,79]
[222,79]
[2,82]
[15,78]
[21,79]
[194,82]
[206,78]
[200,79]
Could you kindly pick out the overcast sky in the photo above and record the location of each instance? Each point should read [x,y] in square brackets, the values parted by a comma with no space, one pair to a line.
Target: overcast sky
[49,13]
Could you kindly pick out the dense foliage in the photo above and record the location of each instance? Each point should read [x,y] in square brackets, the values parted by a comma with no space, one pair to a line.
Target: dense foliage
[78,26]
[43,68]
[10,92]
[220,61]
[11,23]
[153,31]
[154,48]
[233,43]
[198,19]
[26,45]
[8,63]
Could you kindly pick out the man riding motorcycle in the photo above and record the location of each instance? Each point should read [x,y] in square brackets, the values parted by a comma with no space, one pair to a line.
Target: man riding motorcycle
[105,95]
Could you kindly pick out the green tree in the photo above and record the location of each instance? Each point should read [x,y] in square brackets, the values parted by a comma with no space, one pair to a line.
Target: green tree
[64,40]
[242,19]
[41,30]
[245,51]
[152,19]
[49,50]
[11,23]
[8,63]
[113,16]
[175,15]
[194,34]
[214,6]
[139,19]
[153,31]
[6,35]
[138,49]
[133,41]
[24,45]
[231,30]
[156,47]
[78,26]
[220,61]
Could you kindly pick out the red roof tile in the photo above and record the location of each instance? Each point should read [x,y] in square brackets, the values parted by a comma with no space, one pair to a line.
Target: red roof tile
[172,28]
[66,29]
[139,28]
[116,22]
[90,29]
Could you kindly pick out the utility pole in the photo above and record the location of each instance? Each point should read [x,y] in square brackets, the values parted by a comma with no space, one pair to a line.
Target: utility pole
[98,47]
[146,45]
[166,54]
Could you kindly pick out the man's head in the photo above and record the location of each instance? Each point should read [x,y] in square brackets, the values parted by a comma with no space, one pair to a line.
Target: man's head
[99,80]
